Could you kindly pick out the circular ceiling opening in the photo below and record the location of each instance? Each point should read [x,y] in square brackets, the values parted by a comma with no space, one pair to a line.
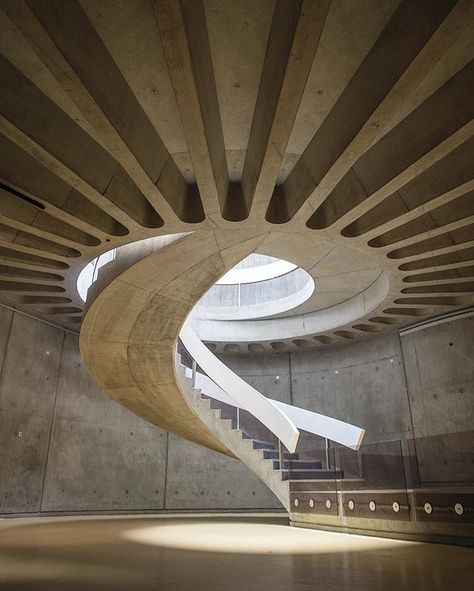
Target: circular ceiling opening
[255,268]
[258,287]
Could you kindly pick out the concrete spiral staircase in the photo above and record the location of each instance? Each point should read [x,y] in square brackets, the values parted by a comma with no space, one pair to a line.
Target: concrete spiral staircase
[128,341]
[335,135]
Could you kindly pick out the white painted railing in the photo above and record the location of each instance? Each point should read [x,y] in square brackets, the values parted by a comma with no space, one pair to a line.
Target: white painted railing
[283,420]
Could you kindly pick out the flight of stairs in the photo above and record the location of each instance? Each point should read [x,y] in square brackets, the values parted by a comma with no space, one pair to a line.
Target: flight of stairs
[292,467]
[261,456]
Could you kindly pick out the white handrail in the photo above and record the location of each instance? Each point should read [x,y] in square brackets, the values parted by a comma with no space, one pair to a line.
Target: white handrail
[259,406]
[224,385]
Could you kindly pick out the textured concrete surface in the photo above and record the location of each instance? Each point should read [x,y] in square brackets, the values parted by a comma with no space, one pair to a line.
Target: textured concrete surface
[363,384]
[368,389]
[440,377]
[128,336]
[269,374]
[5,324]
[81,451]
[95,463]
[28,387]
[233,439]
[350,123]
[213,481]
[418,386]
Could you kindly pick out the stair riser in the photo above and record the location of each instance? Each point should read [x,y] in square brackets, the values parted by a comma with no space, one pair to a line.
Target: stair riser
[273,455]
[297,465]
[311,475]
[262,445]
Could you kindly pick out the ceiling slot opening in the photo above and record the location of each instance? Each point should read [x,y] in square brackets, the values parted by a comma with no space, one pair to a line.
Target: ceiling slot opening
[19,195]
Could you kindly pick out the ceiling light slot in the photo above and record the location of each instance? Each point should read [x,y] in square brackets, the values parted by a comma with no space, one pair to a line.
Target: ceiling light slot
[21,196]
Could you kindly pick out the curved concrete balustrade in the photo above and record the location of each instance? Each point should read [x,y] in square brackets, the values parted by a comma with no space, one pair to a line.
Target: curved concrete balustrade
[136,309]
[353,283]
[292,327]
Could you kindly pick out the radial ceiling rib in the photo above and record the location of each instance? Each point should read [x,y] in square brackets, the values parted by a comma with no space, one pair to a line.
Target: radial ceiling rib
[443,257]
[455,272]
[14,253]
[454,287]
[14,232]
[400,43]
[448,237]
[447,260]
[28,179]
[20,274]
[411,215]
[45,167]
[426,136]
[68,142]
[72,32]
[461,209]
[294,37]
[18,213]
[450,177]
[351,193]
[183,33]
[19,287]
[32,20]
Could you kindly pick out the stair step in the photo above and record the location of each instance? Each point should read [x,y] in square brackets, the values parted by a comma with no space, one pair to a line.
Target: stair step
[263,445]
[311,474]
[272,454]
[297,464]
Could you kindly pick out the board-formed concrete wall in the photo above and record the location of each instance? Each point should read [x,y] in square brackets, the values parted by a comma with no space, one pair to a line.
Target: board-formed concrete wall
[65,446]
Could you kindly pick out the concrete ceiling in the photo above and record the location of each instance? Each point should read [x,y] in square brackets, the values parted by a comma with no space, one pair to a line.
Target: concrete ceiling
[343,123]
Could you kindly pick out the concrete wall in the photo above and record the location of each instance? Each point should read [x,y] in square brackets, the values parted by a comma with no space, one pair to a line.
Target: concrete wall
[65,446]
[418,388]
[439,367]
[362,383]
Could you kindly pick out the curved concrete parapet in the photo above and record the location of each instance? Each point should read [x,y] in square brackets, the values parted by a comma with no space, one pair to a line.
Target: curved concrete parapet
[289,327]
[258,299]
[137,308]
[135,311]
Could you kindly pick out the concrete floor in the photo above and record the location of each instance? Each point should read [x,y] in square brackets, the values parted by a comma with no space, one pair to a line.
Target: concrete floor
[217,552]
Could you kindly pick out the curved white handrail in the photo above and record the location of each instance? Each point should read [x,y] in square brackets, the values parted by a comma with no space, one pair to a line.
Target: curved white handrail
[259,406]
[223,384]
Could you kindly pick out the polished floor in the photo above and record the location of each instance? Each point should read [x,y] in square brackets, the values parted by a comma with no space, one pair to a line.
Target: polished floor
[217,553]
